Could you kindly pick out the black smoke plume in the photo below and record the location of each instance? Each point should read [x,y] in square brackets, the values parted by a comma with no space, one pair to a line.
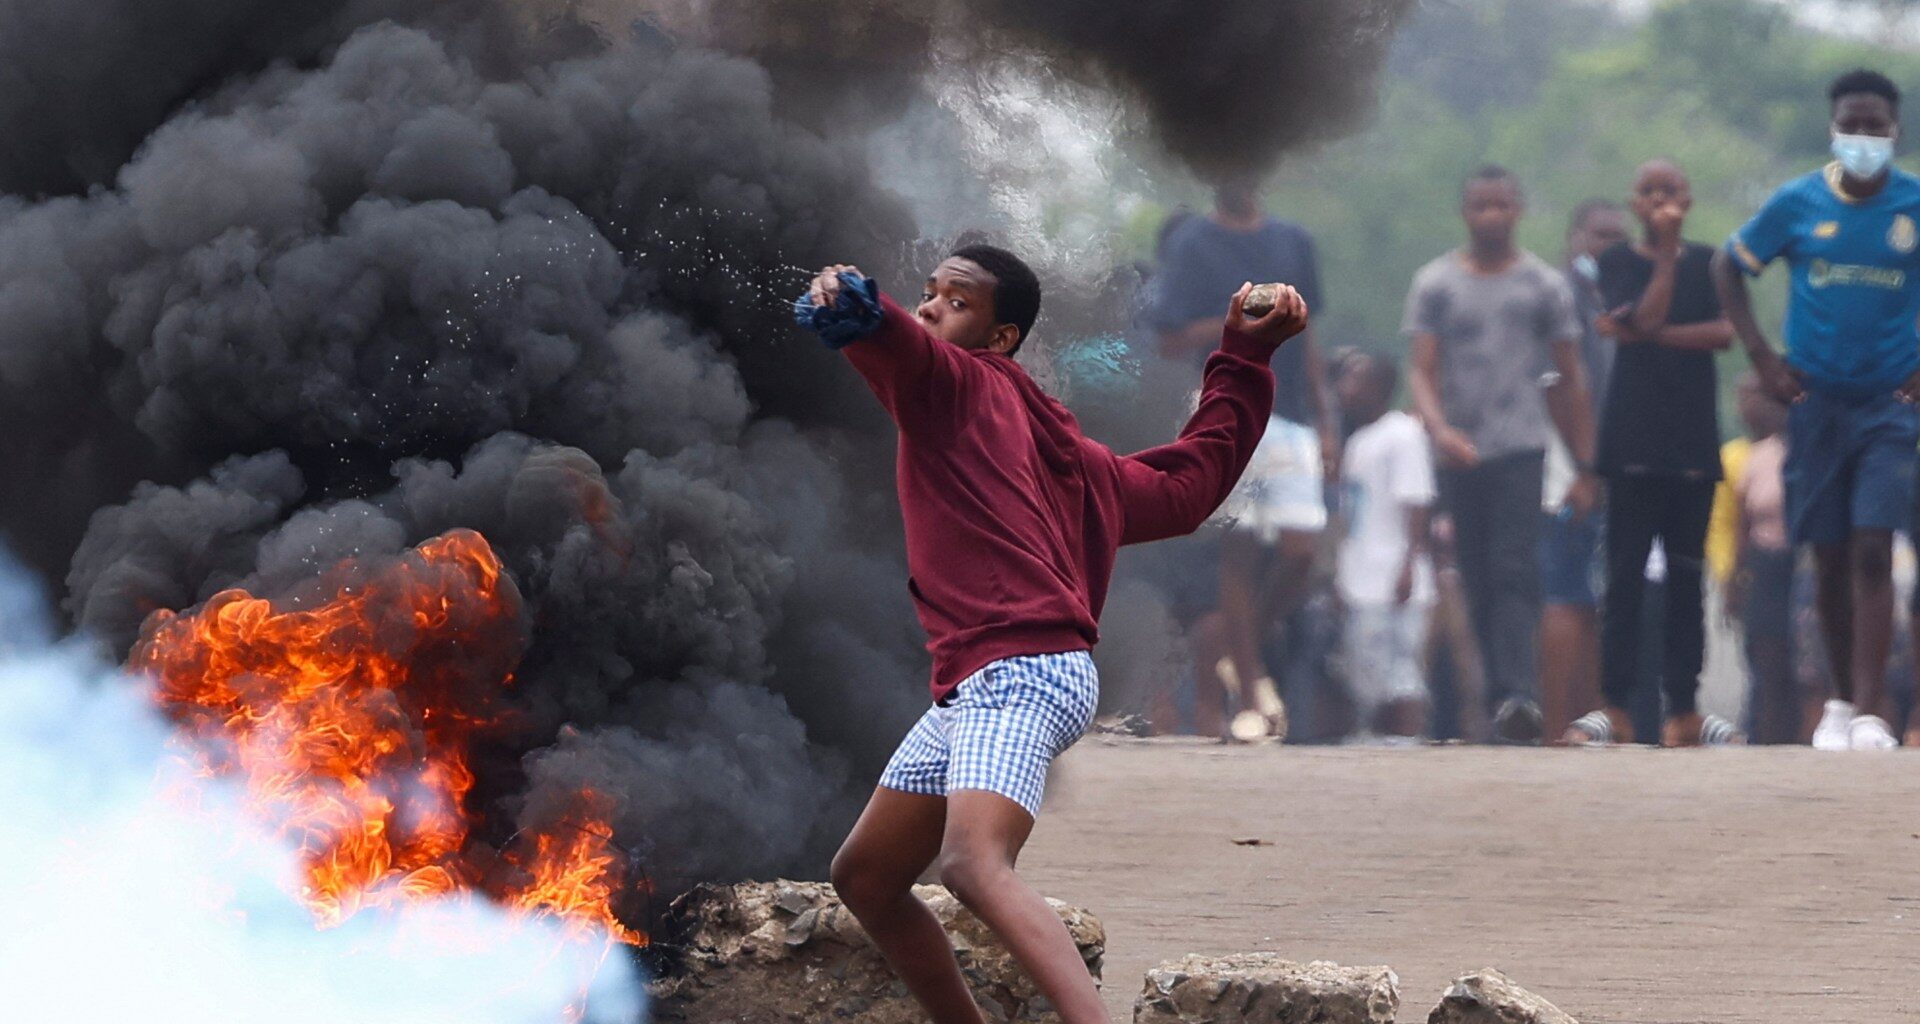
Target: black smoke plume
[351,306]
[1225,87]
[1229,86]
[282,285]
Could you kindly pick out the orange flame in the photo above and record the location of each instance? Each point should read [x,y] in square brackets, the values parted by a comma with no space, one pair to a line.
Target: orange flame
[572,877]
[351,721]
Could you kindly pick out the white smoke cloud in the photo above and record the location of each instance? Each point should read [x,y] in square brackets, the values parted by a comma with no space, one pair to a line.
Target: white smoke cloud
[129,891]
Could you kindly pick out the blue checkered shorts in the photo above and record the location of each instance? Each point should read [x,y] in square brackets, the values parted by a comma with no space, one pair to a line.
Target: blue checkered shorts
[1000,730]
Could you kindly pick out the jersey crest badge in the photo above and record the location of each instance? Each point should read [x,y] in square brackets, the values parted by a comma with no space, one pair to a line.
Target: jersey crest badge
[1903,236]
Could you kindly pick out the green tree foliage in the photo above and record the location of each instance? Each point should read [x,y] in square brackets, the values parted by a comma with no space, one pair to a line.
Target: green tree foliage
[1573,99]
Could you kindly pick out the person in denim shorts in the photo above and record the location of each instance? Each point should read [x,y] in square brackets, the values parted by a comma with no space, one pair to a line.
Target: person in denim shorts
[1850,234]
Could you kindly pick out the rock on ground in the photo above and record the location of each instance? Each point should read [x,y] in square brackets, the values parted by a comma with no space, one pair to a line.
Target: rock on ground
[1489,997]
[1262,987]
[789,952]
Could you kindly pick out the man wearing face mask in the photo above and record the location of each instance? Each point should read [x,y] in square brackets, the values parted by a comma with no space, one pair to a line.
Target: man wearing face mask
[1851,374]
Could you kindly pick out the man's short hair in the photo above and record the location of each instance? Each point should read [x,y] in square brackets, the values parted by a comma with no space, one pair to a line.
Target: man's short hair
[1490,172]
[1016,292]
[1386,369]
[1586,209]
[1864,82]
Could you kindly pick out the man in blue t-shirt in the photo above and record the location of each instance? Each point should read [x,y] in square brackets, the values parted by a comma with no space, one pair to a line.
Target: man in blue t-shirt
[1276,516]
[1851,236]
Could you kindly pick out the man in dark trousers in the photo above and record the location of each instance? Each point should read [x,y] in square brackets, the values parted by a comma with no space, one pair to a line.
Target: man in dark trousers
[1496,360]
[1660,455]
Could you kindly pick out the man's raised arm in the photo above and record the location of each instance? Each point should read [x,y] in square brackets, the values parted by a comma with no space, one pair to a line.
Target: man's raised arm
[1170,490]
[916,376]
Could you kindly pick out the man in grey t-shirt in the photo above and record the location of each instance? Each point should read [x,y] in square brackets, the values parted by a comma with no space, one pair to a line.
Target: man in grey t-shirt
[1496,366]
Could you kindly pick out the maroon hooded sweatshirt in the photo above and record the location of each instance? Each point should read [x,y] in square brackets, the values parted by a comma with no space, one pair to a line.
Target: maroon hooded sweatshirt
[1013,517]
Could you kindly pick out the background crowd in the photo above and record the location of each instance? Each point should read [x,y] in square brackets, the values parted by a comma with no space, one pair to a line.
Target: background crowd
[1519,530]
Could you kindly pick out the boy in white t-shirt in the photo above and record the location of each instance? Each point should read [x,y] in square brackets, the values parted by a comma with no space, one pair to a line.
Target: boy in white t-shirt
[1384,574]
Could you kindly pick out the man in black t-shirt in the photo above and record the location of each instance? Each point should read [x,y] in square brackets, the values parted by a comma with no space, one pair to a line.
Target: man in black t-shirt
[1659,452]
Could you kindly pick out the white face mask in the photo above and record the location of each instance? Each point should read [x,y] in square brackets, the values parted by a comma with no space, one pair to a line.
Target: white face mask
[1864,156]
[1586,266]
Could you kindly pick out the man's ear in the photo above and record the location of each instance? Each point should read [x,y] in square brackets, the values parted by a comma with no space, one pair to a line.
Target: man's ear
[1005,337]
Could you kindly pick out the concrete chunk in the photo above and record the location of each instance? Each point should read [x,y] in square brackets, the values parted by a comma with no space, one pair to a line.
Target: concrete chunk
[1489,997]
[790,952]
[1263,987]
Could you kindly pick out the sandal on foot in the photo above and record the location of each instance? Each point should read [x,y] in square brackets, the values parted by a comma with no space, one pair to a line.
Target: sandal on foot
[1719,732]
[1711,731]
[1599,729]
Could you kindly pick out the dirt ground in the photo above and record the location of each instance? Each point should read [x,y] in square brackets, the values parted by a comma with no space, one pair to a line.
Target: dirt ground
[1758,885]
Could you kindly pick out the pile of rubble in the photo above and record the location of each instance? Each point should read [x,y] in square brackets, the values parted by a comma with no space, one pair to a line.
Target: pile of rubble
[1262,987]
[790,952]
[1489,997]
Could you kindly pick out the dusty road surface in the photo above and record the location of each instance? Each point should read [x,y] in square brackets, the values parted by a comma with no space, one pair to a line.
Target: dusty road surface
[1760,885]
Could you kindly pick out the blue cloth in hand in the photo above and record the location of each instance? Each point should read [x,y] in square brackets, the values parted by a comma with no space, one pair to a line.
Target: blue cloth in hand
[855,312]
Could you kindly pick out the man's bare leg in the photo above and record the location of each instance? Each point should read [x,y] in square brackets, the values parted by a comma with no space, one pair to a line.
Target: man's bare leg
[1872,618]
[1913,718]
[1833,601]
[1404,718]
[892,844]
[1208,639]
[1242,615]
[1451,624]
[985,832]
[1569,665]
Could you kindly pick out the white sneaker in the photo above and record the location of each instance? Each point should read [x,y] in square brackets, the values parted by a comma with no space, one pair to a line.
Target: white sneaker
[1870,732]
[1835,729]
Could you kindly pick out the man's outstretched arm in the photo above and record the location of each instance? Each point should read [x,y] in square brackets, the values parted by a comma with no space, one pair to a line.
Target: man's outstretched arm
[1171,490]
[916,376]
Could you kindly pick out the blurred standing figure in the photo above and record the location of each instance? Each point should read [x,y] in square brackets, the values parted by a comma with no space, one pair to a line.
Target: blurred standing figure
[1384,575]
[1660,455]
[1851,237]
[1276,517]
[1569,546]
[1495,347]
[1760,586]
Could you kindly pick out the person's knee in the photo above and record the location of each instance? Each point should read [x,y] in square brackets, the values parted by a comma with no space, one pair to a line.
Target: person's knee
[1873,560]
[1207,634]
[848,877]
[862,881]
[971,875]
